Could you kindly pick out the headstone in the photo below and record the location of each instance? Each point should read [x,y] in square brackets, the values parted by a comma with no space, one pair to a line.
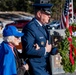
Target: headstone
[55,60]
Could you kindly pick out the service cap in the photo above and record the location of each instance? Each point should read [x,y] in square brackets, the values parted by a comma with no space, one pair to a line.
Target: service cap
[43,5]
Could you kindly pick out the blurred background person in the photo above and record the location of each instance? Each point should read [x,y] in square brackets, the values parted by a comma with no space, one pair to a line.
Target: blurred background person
[10,62]
[1,27]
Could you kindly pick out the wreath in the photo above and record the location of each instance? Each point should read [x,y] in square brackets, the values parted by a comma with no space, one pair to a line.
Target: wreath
[67,49]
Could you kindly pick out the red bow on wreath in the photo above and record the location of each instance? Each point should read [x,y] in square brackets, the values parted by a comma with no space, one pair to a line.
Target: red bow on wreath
[71,46]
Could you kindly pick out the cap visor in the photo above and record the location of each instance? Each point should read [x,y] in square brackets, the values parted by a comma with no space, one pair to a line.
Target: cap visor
[19,34]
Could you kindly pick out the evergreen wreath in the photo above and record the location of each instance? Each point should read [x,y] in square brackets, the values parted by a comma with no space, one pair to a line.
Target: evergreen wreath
[67,49]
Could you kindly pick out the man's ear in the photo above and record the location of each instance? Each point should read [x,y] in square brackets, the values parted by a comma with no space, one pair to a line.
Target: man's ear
[39,13]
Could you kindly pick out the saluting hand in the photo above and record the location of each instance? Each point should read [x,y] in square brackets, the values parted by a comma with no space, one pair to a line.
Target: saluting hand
[48,47]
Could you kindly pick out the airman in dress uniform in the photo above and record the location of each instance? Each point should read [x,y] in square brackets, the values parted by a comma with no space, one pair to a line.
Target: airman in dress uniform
[35,33]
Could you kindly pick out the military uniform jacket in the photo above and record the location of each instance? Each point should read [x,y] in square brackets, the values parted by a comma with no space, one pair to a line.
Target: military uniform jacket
[34,34]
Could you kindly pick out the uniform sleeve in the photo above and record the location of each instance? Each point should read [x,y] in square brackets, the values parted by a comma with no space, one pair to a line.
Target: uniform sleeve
[28,41]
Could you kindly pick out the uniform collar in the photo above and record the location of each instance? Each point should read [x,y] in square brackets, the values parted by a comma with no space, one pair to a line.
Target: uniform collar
[39,22]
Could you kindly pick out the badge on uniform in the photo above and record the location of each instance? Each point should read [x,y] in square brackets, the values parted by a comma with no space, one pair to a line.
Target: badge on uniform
[41,37]
[42,42]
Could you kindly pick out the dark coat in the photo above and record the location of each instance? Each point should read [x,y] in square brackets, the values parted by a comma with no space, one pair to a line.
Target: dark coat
[19,63]
[35,34]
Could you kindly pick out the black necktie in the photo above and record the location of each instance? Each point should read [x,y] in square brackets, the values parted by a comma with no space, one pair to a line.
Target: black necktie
[44,28]
[46,33]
